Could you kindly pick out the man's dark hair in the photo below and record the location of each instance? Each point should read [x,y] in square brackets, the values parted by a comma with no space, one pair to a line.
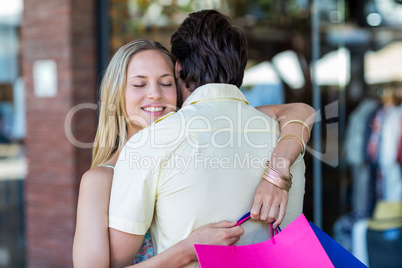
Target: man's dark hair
[210,50]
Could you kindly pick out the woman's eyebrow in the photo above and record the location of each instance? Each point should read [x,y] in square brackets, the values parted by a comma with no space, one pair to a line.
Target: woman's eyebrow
[137,76]
[143,76]
[164,75]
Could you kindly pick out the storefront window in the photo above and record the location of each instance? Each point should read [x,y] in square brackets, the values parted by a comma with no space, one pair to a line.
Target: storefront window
[357,46]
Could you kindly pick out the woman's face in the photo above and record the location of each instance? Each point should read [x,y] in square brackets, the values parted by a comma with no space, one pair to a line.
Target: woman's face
[150,90]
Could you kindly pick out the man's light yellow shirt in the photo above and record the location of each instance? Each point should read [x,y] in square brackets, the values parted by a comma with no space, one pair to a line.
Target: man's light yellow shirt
[198,166]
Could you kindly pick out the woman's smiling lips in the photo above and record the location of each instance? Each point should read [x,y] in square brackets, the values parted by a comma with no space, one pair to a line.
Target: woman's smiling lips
[154,109]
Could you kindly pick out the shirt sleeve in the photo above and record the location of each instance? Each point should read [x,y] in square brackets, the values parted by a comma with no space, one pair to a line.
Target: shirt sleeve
[134,186]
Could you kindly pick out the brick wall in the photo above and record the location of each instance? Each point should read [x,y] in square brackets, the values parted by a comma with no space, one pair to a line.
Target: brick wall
[63,31]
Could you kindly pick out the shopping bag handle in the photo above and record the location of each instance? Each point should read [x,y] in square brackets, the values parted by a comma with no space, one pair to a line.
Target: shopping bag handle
[247,216]
[274,232]
[243,219]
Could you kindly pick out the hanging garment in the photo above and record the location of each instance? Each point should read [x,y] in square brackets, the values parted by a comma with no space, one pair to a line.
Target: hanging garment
[358,121]
[389,166]
[372,136]
[373,145]
[391,132]
[354,149]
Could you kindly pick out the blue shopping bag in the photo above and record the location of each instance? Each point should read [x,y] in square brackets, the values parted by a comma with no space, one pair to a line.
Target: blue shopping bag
[339,256]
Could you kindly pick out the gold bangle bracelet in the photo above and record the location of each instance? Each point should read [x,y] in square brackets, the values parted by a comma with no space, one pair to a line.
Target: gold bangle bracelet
[270,169]
[300,122]
[303,148]
[267,173]
[294,137]
[277,178]
[278,182]
[268,166]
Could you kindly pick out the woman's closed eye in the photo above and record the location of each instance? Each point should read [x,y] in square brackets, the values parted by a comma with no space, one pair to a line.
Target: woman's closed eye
[166,82]
[138,85]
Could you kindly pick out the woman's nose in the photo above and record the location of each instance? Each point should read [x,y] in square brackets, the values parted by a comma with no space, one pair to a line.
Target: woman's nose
[154,92]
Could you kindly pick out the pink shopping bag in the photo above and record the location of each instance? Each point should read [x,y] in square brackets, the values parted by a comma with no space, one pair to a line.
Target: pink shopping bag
[295,246]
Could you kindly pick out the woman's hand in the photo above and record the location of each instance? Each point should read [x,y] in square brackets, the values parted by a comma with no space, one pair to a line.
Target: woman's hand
[223,233]
[268,199]
[182,253]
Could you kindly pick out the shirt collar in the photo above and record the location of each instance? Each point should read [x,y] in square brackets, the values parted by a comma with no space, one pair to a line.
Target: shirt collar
[213,91]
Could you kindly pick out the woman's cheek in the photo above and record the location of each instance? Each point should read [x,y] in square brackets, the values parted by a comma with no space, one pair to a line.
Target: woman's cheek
[173,95]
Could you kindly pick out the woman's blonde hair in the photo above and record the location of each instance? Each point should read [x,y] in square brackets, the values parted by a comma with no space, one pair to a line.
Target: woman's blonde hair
[111,134]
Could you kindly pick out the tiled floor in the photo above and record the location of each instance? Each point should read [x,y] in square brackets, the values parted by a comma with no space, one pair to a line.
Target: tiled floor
[12,175]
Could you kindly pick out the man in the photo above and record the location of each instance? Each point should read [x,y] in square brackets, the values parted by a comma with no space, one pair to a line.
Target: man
[204,163]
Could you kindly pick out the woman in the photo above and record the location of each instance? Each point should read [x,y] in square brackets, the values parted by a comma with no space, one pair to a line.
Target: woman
[137,89]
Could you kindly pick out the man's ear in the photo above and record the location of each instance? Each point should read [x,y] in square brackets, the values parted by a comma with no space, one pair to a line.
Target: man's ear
[177,69]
